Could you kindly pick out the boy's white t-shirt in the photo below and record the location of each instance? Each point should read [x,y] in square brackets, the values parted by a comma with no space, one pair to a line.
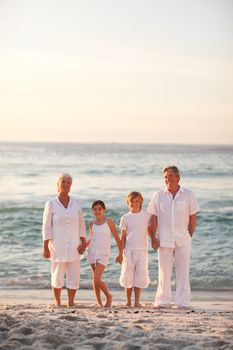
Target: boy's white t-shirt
[136,225]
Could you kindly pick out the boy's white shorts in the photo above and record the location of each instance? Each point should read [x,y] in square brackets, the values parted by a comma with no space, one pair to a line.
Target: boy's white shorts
[70,269]
[94,256]
[134,269]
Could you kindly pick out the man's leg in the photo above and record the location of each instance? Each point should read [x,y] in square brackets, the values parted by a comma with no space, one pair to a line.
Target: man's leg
[182,261]
[165,260]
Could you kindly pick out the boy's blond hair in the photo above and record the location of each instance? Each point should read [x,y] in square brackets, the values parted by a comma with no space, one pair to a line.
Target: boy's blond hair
[133,195]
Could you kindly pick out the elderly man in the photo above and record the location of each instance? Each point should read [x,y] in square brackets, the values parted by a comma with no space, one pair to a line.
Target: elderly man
[173,212]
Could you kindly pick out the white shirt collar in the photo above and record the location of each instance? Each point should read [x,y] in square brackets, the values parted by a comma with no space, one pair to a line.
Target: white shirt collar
[181,189]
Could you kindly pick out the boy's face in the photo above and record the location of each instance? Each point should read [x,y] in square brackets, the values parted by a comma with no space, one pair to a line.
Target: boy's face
[135,205]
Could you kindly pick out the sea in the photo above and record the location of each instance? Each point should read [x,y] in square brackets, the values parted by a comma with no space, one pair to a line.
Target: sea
[109,172]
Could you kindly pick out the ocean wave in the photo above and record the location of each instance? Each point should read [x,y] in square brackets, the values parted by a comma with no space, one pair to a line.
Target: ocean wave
[224,210]
[196,284]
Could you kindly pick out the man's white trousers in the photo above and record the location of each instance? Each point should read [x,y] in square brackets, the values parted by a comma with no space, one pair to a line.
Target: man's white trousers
[181,256]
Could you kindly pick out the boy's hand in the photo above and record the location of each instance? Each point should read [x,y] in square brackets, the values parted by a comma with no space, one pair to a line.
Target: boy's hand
[119,259]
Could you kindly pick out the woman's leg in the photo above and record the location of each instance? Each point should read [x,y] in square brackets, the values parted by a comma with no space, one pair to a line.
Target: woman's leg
[72,280]
[71,294]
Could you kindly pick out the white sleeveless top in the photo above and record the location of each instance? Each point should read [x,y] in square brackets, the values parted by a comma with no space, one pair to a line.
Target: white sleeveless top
[101,238]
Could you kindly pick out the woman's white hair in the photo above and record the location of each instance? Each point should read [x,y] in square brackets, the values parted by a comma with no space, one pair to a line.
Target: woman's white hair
[61,176]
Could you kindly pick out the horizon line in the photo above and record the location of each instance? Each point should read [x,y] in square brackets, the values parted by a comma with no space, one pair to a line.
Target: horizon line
[115,143]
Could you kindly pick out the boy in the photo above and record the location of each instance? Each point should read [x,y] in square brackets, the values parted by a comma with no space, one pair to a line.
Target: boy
[134,231]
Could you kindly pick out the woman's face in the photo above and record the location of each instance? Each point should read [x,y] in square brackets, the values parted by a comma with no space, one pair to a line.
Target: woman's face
[64,185]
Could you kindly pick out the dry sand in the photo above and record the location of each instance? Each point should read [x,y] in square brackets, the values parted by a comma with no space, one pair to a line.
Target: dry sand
[207,325]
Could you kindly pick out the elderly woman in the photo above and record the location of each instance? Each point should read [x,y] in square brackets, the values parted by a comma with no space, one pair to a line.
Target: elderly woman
[64,239]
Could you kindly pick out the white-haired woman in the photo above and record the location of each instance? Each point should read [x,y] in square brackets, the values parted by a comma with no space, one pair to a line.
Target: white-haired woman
[64,239]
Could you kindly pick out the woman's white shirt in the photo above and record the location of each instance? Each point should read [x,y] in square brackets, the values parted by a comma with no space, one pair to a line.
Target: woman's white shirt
[63,227]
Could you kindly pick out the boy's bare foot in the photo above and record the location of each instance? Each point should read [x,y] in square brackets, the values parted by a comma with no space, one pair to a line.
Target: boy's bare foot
[128,304]
[109,301]
[54,306]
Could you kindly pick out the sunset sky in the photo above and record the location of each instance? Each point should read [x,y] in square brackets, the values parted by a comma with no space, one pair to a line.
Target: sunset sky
[116,71]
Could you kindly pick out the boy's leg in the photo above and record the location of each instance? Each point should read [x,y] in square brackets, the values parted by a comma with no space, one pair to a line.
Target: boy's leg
[99,270]
[137,293]
[128,294]
[141,276]
[57,296]
[96,287]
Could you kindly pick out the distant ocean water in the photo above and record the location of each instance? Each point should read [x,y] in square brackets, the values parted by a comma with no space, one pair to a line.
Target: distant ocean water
[109,172]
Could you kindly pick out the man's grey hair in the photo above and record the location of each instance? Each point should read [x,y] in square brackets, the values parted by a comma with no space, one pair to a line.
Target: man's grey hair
[172,168]
[61,176]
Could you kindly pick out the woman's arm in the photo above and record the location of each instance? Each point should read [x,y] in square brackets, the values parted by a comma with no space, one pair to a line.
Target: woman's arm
[46,251]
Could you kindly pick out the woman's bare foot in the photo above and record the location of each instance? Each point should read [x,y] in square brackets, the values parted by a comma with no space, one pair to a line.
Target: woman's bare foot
[137,305]
[71,305]
[109,301]
[99,305]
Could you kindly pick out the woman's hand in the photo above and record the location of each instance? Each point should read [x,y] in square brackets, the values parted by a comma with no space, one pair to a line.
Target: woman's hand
[46,252]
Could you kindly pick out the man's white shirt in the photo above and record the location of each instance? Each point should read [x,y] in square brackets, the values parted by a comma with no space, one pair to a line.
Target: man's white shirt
[173,215]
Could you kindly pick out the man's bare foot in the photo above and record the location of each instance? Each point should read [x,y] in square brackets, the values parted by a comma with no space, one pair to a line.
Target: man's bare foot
[109,301]
[161,306]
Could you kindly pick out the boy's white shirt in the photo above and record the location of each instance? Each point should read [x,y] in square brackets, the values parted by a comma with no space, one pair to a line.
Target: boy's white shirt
[136,225]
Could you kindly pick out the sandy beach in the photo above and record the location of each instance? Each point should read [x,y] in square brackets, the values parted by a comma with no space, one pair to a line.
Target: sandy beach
[27,324]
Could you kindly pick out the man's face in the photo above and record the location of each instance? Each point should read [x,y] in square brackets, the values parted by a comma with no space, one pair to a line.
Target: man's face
[171,180]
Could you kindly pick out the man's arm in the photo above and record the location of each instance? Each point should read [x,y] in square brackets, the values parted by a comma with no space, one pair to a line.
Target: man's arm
[192,224]
[154,226]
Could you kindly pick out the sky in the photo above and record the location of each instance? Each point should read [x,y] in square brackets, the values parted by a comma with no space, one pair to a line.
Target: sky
[143,71]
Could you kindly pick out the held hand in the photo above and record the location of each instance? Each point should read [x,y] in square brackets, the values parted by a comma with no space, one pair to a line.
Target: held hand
[81,248]
[155,244]
[46,253]
[119,259]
